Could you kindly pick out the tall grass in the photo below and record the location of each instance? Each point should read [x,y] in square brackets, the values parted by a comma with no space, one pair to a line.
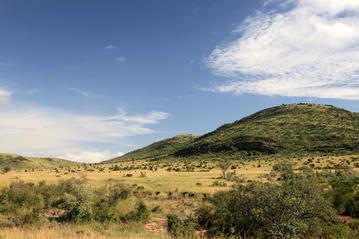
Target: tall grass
[75,231]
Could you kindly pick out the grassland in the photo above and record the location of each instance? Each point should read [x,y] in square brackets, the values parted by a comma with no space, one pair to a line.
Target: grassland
[177,175]
[20,162]
[166,187]
[164,180]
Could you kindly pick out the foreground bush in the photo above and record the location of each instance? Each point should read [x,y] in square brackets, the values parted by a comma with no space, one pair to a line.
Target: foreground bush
[21,203]
[140,214]
[69,201]
[295,209]
[76,201]
[178,228]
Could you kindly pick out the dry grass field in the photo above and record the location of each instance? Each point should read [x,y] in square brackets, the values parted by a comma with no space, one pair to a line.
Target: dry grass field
[167,185]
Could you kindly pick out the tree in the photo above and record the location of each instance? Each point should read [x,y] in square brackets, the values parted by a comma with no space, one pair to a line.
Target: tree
[6,169]
[285,169]
[224,165]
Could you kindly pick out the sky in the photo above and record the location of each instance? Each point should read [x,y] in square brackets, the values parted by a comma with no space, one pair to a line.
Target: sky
[90,80]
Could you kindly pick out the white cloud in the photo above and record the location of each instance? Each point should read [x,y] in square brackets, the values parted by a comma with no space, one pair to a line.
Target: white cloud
[110,46]
[31,91]
[81,92]
[54,132]
[90,156]
[5,96]
[310,50]
[121,59]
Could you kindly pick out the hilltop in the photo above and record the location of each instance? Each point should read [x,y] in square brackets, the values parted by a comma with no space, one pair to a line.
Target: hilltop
[19,162]
[296,129]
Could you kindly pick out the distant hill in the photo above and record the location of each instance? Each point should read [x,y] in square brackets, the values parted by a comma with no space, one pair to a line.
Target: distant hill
[20,162]
[303,129]
[158,150]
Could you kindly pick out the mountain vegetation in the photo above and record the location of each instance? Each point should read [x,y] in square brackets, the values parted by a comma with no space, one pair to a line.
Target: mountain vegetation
[295,129]
[158,150]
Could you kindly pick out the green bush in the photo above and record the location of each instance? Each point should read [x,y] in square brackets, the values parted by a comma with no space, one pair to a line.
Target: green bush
[285,169]
[22,204]
[140,214]
[119,192]
[219,184]
[338,232]
[104,210]
[76,201]
[6,169]
[174,225]
[178,228]
[292,210]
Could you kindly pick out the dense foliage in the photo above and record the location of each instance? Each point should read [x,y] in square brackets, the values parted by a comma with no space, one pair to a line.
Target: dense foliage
[291,210]
[69,201]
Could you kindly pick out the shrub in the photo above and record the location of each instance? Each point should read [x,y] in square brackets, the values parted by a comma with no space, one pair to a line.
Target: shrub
[119,192]
[352,205]
[103,210]
[338,232]
[285,169]
[178,228]
[21,204]
[140,214]
[174,225]
[76,201]
[157,209]
[219,184]
[6,169]
[292,210]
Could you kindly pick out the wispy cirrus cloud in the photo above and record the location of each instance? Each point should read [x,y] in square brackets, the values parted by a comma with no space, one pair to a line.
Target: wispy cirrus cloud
[31,91]
[110,46]
[306,48]
[121,59]
[34,130]
[5,96]
[80,92]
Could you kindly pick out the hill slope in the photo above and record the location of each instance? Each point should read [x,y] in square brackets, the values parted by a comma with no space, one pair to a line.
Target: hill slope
[159,149]
[20,162]
[298,128]
[287,129]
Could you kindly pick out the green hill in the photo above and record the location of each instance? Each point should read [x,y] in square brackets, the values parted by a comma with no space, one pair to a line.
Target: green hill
[285,129]
[19,162]
[158,150]
[301,129]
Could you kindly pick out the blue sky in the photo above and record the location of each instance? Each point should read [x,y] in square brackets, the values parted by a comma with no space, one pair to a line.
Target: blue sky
[89,80]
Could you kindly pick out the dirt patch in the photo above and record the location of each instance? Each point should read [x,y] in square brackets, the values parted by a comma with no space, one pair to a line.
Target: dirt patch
[345,219]
[154,227]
